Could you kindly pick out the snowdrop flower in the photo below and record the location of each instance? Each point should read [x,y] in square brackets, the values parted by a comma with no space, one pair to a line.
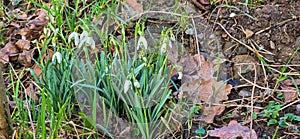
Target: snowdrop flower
[89,41]
[163,48]
[127,85]
[170,44]
[84,35]
[136,84]
[145,59]
[57,56]
[106,69]
[142,42]
[179,75]
[172,36]
[75,36]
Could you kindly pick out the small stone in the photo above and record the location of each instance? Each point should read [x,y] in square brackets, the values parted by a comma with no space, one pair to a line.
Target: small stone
[224,35]
[298,107]
[232,15]
[244,93]
[212,36]
[272,45]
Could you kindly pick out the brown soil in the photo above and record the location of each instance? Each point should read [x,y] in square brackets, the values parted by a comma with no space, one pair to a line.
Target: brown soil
[276,32]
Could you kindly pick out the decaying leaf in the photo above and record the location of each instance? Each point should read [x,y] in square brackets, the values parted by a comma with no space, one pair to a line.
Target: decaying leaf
[206,71]
[3,57]
[134,5]
[233,130]
[290,95]
[209,113]
[19,49]
[25,58]
[23,44]
[248,33]
[37,70]
[290,82]
[198,82]
[8,52]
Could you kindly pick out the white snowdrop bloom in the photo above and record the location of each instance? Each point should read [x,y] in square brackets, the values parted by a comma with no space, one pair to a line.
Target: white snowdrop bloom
[163,48]
[136,84]
[57,56]
[179,75]
[84,35]
[142,42]
[170,44]
[75,36]
[106,70]
[127,86]
[145,59]
[89,41]
[172,36]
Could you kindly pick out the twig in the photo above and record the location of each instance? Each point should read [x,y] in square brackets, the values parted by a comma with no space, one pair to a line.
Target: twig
[277,24]
[290,104]
[252,95]
[247,46]
[197,42]
[277,90]
[197,4]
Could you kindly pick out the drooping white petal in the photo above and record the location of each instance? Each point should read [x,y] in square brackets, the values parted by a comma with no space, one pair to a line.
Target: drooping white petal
[84,35]
[163,48]
[75,36]
[142,42]
[90,41]
[136,84]
[170,44]
[172,36]
[179,75]
[127,85]
[57,56]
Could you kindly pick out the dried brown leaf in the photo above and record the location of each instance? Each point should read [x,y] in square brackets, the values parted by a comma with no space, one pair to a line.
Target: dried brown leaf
[134,5]
[248,33]
[290,95]
[188,64]
[10,48]
[221,90]
[233,130]
[23,44]
[25,33]
[290,82]
[205,90]
[3,57]
[189,88]
[25,58]
[209,113]
[8,53]
[37,70]
[206,71]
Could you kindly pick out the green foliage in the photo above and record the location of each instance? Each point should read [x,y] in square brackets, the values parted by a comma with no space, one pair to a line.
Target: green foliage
[272,113]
